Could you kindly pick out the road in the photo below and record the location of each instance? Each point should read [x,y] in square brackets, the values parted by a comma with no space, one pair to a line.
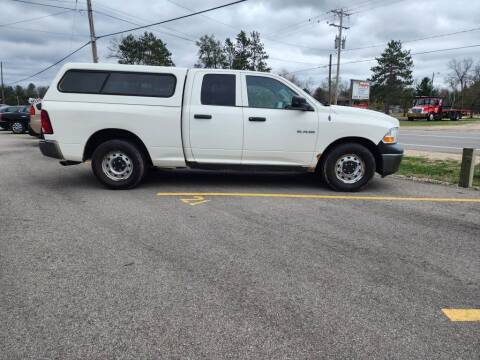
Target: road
[440,140]
[89,273]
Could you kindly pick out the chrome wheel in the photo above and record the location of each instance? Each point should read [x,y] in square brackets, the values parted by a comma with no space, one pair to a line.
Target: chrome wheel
[349,168]
[17,128]
[117,166]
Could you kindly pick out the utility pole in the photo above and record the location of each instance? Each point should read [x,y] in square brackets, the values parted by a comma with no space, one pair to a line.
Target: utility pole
[1,75]
[93,38]
[330,80]
[339,44]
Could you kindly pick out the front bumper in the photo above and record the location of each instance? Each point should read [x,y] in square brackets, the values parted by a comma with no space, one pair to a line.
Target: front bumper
[389,159]
[51,149]
[417,115]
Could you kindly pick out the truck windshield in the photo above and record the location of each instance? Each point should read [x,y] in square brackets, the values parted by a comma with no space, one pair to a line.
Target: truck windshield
[423,101]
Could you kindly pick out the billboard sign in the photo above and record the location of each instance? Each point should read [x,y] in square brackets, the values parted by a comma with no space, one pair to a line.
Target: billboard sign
[360,90]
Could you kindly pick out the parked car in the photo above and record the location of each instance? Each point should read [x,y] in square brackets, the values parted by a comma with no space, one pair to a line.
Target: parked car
[15,118]
[126,118]
[3,109]
[35,128]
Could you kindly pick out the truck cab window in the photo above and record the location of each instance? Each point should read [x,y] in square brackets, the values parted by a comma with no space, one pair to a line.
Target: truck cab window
[218,89]
[265,92]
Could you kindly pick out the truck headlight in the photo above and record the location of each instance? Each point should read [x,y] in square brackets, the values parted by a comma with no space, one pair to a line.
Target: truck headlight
[391,136]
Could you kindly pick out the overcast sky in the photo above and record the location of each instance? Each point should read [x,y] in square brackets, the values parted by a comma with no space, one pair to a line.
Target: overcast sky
[295,32]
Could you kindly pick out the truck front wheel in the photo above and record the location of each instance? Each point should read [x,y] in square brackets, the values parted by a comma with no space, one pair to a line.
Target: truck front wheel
[119,164]
[348,167]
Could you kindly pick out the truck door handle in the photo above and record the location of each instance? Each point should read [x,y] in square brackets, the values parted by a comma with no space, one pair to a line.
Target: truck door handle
[202,116]
[259,119]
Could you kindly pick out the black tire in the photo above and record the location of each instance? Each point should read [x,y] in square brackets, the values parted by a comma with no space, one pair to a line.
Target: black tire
[431,117]
[134,168]
[359,154]
[18,127]
[410,119]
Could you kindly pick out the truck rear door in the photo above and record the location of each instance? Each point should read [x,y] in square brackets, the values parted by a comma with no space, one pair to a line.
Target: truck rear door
[215,118]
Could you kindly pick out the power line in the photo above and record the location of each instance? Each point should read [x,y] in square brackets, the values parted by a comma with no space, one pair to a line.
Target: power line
[35,18]
[134,23]
[124,31]
[205,16]
[170,20]
[44,31]
[123,13]
[377,6]
[435,36]
[55,63]
[419,39]
[374,59]
[48,5]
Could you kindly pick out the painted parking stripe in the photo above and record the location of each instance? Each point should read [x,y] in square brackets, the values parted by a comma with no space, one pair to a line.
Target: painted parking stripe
[462,314]
[323,197]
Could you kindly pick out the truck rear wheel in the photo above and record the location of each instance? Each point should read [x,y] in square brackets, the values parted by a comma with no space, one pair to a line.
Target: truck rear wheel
[119,164]
[348,167]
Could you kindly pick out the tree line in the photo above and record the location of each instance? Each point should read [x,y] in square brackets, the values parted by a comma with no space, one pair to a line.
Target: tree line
[245,52]
[391,78]
[19,95]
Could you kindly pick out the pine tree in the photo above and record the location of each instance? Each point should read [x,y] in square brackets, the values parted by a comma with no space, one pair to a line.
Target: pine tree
[392,74]
[210,53]
[257,53]
[144,50]
[242,52]
[229,51]
[424,88]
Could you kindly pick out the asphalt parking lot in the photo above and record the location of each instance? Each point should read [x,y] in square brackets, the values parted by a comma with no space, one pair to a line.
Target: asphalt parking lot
[91,273]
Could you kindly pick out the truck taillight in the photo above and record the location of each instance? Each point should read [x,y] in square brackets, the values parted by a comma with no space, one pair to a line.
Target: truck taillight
[32,112]
[46,124]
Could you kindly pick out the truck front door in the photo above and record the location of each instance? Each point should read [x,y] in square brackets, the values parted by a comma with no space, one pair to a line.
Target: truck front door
[275,134]
[215,118]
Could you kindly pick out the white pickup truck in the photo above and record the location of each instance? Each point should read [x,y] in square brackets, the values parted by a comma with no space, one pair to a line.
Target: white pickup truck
[127,118]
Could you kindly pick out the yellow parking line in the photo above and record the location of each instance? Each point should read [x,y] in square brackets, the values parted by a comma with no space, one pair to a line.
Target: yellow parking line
[324,197]
[462,314]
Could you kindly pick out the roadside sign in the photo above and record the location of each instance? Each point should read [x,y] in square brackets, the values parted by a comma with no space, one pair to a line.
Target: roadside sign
[360,90]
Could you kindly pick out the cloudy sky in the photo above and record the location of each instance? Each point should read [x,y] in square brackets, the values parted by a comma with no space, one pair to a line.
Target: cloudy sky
[296,33]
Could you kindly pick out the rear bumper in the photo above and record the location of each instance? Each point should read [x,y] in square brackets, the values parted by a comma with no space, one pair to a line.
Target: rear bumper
[50,148]
[390,158]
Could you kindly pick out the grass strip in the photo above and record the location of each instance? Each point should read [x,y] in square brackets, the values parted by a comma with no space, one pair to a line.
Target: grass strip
[442,170]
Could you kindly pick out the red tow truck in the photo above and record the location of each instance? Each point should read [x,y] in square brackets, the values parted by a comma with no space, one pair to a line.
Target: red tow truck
[433,108]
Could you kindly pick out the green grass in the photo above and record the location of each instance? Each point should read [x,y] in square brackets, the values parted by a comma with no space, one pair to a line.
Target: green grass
[443,170]
[405,123]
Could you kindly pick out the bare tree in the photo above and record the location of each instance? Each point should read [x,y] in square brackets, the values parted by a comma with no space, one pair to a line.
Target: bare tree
[476,74]
[459,73]
[306,84]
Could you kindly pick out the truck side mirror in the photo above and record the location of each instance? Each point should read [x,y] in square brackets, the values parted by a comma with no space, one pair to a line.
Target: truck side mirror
[300,103]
